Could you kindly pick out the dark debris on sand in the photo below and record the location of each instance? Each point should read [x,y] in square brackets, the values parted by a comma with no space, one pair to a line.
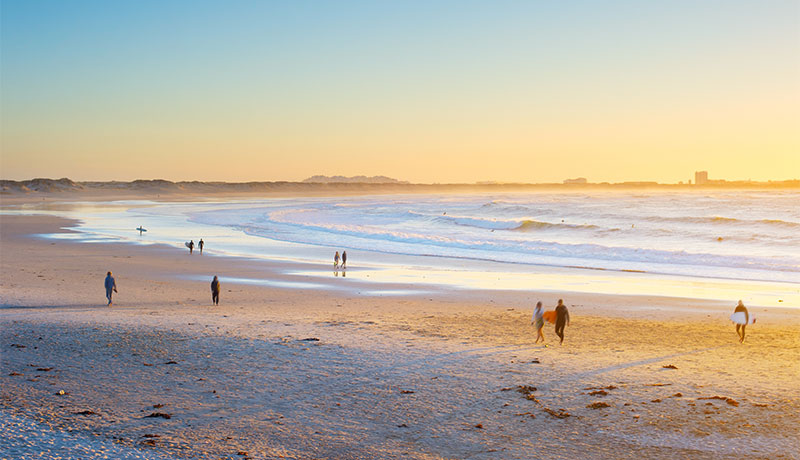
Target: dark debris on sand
[730,401]
[561,413]
[598,405]
[526,389]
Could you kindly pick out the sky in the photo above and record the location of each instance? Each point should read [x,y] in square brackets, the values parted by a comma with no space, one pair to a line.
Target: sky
[425,91]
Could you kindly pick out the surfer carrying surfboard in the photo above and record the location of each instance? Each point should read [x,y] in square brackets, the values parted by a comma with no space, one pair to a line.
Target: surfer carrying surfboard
[741,309]
[562,319]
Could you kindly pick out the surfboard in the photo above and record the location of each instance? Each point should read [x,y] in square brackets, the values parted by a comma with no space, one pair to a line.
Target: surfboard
[549,316]
[141,229]
[739,318]
[187,244]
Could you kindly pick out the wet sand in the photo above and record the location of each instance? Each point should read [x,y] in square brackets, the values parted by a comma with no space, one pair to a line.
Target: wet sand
[278,373]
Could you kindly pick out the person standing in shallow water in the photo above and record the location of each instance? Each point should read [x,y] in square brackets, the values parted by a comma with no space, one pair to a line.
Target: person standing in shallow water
[200,245]
[215,291]
[562,319]
[538,321]
[336,260]
[741,308]
[344,260]
[191,246]
[111,287]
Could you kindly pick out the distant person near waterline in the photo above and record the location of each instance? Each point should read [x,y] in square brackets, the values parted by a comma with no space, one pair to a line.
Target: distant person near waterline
[111,286]
[562,319]
[190,245]
[336,260]
[200,245]
[344,260]
[215,290]
[740,308]
[538,321]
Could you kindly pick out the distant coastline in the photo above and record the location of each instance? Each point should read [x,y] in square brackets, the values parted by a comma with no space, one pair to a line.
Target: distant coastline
[41,186]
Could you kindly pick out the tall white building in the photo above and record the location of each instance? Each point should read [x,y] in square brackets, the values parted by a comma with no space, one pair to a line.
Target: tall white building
[700,177]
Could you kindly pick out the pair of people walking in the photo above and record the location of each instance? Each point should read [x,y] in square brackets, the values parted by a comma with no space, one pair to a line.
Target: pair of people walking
[200,245]
[561,319]
[336,259]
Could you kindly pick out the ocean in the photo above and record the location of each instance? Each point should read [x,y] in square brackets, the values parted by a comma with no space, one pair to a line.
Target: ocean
[629,239]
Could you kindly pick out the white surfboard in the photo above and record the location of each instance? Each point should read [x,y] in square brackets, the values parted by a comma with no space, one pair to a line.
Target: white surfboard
[187,244]
[740,318]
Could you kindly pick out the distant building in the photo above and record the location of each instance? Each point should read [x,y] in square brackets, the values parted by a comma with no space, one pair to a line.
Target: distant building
[580,180]
[700,177]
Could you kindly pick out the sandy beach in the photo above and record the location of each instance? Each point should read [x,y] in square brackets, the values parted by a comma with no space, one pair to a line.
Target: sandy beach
[311,373]
[634,163]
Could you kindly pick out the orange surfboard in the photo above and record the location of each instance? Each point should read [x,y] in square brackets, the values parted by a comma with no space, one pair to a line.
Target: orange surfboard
[549,316]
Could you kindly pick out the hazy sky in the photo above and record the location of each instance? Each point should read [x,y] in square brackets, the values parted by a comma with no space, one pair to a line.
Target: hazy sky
[426,91]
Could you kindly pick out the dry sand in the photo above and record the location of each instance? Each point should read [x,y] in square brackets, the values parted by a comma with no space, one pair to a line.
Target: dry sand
[277,373]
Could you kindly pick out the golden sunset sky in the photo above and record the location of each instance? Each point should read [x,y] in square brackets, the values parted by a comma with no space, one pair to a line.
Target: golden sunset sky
[444,91]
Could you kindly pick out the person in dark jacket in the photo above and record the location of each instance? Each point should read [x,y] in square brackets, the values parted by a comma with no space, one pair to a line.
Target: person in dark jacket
[200,245]
[215,291]
[111,287]
[344,260]
[562,319]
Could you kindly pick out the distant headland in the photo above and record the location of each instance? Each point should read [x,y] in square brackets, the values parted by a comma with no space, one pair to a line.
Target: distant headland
[345,185]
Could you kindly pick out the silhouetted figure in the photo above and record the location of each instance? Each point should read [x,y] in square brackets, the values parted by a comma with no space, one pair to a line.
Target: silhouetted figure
[200,245]
[344,260]
[191,246]
[111,287]
[538,321]
[740,332]
[215,291]
[336,260]
[562,319]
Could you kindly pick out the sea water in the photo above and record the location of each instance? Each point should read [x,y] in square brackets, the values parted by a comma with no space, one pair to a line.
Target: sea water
[694,243]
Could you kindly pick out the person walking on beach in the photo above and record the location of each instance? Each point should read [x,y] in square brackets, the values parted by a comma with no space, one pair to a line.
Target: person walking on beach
[191,246]
[741,309]
[538,321]
[200,245]
[562,319]
[111,287]
[344,260]
[336,260]
[215,290]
